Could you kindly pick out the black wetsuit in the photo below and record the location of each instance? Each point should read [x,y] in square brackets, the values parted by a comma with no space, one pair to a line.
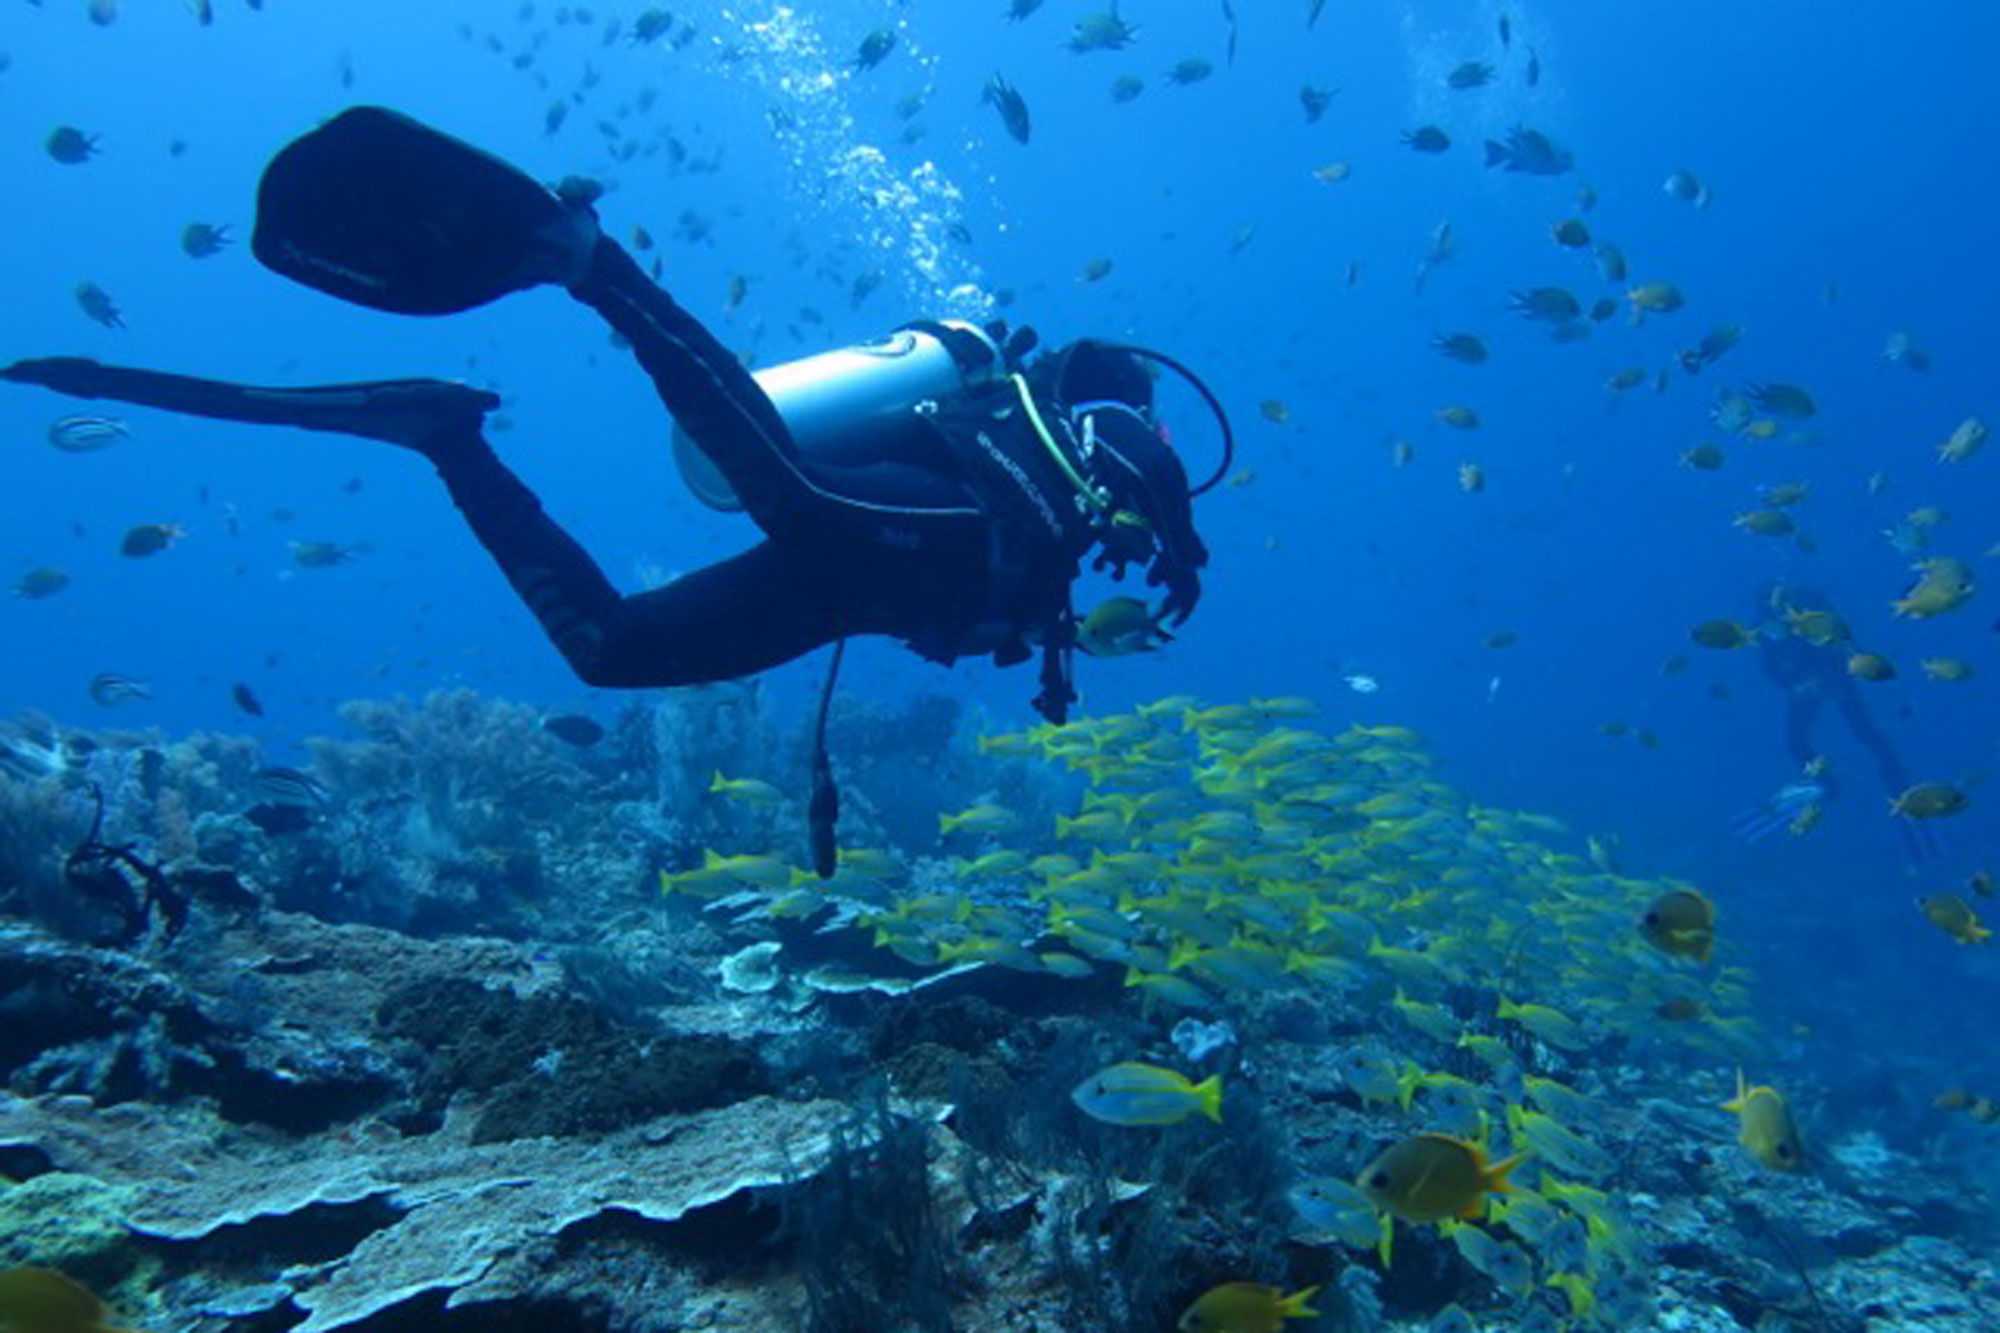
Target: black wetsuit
[967,542]
[1814,675]
[904,546]
[960,538]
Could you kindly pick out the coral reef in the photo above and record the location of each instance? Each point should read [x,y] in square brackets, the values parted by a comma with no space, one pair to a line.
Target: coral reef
[430,1216]
[260,1019]
[456,814]
[868,1231]
[427,1048]
[553,1065]
[70,1221]
[36,818]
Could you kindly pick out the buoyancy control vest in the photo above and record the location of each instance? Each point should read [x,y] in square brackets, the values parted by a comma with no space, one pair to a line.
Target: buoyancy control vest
[1039,527]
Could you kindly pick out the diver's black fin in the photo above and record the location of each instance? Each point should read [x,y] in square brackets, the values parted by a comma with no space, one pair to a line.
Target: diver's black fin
[377,209]
[418,413]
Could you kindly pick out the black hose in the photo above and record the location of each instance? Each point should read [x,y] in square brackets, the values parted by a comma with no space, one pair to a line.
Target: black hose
[823,808]
[1215,406]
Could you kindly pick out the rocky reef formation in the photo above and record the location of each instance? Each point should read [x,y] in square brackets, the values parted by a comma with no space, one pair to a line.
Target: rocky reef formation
[553,1096]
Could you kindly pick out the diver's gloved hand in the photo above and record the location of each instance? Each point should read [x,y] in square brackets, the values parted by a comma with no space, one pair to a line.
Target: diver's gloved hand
[1122,544]
[1178,569]
[1183,587]
[77,376]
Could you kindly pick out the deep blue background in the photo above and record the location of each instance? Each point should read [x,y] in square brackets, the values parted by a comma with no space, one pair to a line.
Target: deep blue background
[1848,149]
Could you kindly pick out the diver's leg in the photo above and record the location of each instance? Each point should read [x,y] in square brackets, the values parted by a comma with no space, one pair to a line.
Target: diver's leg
[405,412]
[1895,778]
[710,626]
[706,388]
[744,615]
[1920,840]
[1788,804]
[1801,714]
[734,422]
[553,575]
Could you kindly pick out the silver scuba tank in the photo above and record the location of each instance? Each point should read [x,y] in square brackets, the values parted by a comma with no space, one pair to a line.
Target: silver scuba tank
[847,405]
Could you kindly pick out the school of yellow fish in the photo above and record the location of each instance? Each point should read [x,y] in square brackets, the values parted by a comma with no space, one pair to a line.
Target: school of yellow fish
[1220,853]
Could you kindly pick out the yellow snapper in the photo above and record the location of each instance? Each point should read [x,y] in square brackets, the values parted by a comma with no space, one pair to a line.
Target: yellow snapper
[751,791]
[1337,1208]
[1550,1025]
[1503,1261]
[981,819]
[1141,1094]
[1557,1145]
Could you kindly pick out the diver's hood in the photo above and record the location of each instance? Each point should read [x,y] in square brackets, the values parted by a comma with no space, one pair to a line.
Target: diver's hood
[1091,371]
[1142,472]
[1126,455]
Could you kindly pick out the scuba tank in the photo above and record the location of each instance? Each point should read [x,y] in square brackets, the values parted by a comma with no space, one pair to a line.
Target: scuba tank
[847,405]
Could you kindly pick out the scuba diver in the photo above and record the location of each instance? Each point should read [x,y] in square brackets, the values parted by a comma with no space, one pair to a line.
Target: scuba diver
[930,486]
[1805,656]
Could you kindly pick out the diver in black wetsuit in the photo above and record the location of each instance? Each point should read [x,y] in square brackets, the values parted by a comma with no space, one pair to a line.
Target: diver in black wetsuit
[951,508]
[1813,674]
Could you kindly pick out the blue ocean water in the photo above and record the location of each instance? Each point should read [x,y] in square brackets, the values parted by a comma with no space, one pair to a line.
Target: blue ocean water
[1852,197]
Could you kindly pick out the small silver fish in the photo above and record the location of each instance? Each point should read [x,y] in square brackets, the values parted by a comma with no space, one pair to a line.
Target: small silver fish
[110,689]
[289,786]
[84,435]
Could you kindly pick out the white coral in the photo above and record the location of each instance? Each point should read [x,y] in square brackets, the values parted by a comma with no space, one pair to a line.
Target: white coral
[753,970]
